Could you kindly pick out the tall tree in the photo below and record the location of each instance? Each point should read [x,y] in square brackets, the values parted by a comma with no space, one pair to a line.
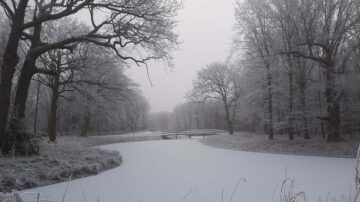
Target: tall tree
[255,35]
[65,67]
[327,26]
[221,82]
[10,58]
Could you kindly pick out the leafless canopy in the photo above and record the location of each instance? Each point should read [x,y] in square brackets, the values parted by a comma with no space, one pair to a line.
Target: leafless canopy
[136,30]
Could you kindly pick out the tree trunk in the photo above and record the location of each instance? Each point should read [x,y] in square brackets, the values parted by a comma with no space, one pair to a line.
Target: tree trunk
[348,115]
[22,89]
[86,126]
[270,127]
[27,71]
[185,122]
[53,109]
[10,60]
[36,107]
[322,127]
[291,104]
[302,88]
[197,119]
[7,74]
[332,101]
[234,114]
[304,113]
[279,113]
[228,119]
[190,119]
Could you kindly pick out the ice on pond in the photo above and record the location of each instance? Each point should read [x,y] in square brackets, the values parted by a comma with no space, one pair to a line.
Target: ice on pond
[186,170]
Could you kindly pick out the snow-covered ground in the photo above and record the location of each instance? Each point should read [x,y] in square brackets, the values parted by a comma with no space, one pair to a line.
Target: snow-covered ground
[254,142]
[186,170]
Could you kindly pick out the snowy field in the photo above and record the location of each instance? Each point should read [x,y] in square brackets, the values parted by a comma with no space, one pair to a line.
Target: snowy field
[186,170]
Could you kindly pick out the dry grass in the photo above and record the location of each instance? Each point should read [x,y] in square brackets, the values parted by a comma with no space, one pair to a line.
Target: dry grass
[55,163]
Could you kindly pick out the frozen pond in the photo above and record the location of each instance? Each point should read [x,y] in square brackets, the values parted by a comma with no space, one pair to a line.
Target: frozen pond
[169,170]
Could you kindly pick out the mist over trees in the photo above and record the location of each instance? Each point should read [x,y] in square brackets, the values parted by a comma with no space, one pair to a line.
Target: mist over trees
[299,72]
[191,115]
[220,82]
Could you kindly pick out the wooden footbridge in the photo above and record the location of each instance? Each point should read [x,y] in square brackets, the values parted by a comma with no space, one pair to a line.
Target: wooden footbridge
[191,133]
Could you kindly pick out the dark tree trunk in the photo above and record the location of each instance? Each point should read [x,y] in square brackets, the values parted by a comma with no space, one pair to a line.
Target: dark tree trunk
[36,107]
[302,88]
[86,125]
[279,114]
[7,74]
[304,114]
[53,109]
[348,116]
[228,119]
[291,104]
[27,71]
[332,101]
[18,112]
[10,60]
[270,127]
[322,127]
[234,114]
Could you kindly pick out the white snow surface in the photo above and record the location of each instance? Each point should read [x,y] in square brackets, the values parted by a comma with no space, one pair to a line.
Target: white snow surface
[188,171]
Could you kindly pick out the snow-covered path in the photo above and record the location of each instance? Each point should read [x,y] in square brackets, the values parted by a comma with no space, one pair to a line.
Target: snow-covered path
[166,171]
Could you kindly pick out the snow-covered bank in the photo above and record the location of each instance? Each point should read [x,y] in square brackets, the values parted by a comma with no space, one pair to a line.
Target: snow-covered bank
[166,171]
[245,141]
[56,163]
[70,156]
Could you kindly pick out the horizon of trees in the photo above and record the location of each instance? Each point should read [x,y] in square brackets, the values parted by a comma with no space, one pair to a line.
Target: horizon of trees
[294,69]
[300,69]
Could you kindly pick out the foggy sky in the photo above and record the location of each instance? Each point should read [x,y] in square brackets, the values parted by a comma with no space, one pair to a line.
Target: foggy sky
[205,30]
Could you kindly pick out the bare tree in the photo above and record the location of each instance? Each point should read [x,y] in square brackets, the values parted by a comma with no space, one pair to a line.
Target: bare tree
[284,15]
[80,71]
[293,39]
[101,101]
[64,67]
[255,35]
[130,27]
[221,82]
[10,58]
[327,26]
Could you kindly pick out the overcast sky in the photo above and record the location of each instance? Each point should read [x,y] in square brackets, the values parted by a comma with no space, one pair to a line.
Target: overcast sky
[205,28]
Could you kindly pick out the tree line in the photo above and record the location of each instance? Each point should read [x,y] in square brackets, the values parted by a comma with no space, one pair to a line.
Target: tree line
[293,70]
[54,51]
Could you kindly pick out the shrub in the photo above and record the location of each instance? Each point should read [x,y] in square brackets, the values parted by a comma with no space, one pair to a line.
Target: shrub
[20,143]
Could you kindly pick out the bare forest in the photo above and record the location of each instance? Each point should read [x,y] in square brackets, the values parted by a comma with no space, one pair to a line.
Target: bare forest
[178,95]
[293,70]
